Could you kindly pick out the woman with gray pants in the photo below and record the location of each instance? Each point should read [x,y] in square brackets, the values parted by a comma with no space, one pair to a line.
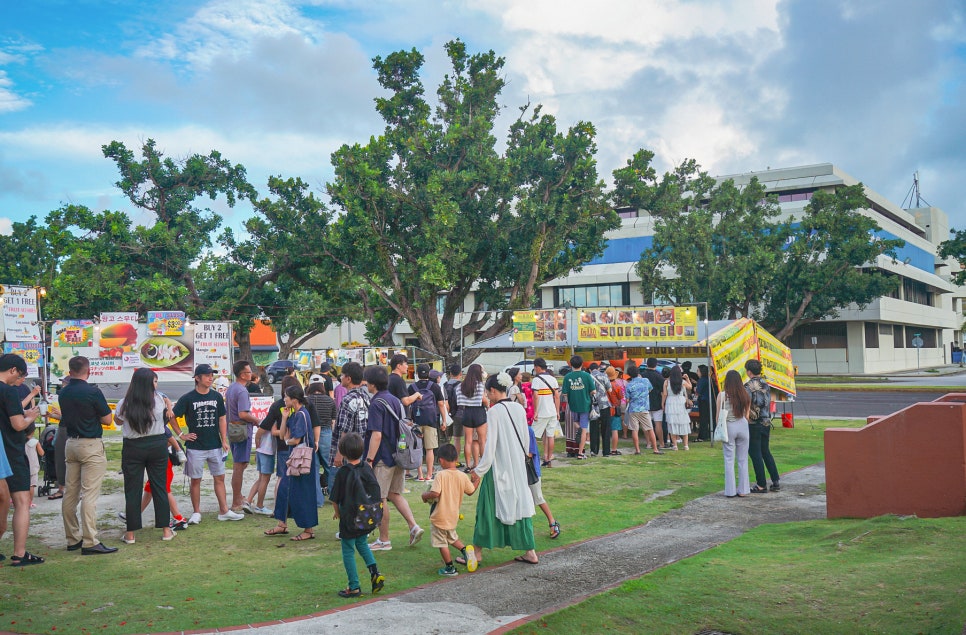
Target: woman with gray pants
[737,402]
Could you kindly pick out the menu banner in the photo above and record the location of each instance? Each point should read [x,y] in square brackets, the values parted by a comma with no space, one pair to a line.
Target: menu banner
[20,314]
[540,326]
[638,324]
[117,334]
[166,323]
[731,347]
[776,360]
[213,346]
[31,352]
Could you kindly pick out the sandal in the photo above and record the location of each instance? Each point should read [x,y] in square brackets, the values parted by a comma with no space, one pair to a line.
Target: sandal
[554,529]
[305,535]
[278,530]
[56,496]
[460,560]
[758,490]
[25,559]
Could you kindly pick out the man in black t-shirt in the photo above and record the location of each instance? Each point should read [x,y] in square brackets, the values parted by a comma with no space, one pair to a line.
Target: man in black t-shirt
[207,441]
[13,422]
[398,369]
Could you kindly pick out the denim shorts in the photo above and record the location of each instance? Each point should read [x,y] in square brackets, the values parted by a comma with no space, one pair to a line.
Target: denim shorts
[582,419]
[265,463]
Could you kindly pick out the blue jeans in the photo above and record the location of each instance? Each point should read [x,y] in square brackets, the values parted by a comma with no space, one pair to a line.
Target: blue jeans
[349,548]
[760,455]
[325,442]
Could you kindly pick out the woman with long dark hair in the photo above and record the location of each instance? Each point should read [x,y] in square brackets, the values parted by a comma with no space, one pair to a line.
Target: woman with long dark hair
[471,402]
[142,414]
[738,403]
[675,403]
[295,497]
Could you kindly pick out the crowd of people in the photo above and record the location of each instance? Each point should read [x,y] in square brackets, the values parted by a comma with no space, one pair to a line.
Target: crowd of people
[339,442]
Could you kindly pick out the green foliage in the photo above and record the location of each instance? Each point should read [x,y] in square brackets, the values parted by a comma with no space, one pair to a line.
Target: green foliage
[729,246]
[955,247]
[431,208]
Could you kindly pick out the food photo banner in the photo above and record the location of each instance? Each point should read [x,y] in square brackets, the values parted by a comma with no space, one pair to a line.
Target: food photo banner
[540,327]
[117,348]
[664,324]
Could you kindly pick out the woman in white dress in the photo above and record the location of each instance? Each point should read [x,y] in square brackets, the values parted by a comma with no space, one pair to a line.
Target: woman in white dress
[674,400]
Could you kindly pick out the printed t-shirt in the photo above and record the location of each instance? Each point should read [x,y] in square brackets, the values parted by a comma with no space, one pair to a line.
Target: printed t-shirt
[577,386]
[543,385]
[637,392]
[451,485]
[201,413]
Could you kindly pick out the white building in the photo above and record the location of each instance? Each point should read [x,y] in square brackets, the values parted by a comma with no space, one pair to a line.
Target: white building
[878,338]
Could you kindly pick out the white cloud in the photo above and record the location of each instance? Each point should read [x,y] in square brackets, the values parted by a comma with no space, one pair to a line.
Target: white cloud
[6,226]
[226,28]
[9,99]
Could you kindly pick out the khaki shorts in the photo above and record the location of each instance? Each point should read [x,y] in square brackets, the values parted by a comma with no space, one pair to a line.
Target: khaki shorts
[536,491]
[430,437]
[390,479]
[545,426]
[442,537]
[639,421]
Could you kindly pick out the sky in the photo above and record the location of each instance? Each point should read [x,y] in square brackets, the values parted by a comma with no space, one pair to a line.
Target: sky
[877,88]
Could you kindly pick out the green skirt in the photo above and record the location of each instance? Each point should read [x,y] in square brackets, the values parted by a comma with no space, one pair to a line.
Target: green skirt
[490,532]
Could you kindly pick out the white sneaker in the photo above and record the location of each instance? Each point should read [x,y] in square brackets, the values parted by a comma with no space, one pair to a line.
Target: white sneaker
[265,511]
[247,508]
[379,545]
[338,536]
[230,515]
[195,519]
[122,516]
[415,534]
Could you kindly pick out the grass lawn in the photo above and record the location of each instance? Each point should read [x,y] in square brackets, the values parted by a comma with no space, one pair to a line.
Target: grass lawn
[884,575]
[219,574]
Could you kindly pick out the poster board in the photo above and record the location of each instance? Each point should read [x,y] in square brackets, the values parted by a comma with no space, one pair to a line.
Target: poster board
[632,325]
[20,314]
[129,346]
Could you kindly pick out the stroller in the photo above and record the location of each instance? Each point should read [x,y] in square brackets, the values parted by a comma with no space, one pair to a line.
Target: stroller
[48,466]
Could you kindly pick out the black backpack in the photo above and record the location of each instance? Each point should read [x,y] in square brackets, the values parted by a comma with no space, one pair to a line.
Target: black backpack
[426,412]
[451,387]
[366,504]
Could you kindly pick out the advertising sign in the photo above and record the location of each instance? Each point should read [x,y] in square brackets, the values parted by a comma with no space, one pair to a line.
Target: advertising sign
[213,345]
[166,323]
[540,326]
[31,352]
[117,334]
[776,360]
[641,324]
[731,347]
[20,314]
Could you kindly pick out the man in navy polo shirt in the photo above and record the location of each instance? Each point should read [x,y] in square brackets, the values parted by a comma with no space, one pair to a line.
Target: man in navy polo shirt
[382,436]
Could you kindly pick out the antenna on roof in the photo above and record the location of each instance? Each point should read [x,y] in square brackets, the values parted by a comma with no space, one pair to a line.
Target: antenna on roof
[914,195]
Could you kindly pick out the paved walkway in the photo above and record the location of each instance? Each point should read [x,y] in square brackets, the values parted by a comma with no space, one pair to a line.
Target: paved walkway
[498,598]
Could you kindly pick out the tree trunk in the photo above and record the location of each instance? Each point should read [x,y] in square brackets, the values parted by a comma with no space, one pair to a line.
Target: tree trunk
[244,340]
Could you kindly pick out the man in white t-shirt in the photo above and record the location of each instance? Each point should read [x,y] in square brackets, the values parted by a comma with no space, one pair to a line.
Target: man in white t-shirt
[546,406]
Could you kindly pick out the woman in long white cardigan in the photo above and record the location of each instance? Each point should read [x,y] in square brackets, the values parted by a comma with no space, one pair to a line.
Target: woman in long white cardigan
[504,508]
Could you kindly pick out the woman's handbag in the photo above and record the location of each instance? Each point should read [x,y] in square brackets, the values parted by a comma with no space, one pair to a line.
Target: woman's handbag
[300,460]
[721,431]
[532,477]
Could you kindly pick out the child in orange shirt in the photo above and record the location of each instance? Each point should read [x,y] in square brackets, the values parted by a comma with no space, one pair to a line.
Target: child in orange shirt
[447,490]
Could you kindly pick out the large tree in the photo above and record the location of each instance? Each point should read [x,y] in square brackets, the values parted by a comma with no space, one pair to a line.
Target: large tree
[830,263]
[432,211]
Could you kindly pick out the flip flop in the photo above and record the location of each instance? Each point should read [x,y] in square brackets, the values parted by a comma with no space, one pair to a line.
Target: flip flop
[276,531]
[54,497]
[303,536]
[522,559]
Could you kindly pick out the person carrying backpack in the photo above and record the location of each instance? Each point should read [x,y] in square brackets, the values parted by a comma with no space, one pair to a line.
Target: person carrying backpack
[355,494]
[426,414]
[759,429]
[454,434]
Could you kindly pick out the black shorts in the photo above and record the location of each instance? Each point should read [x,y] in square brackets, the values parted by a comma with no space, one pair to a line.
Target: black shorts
[19,481]
[472,416]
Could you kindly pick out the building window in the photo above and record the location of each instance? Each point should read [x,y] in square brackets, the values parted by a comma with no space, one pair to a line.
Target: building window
[898,336]
[826,334]
[791,196]
[871,335]
[928,336]
[593,295]
[915,291]
[885,330]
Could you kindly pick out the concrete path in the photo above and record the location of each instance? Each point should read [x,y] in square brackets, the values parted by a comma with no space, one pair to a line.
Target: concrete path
[501,597]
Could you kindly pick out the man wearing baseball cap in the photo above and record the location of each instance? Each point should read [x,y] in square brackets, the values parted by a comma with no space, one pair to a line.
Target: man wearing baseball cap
[206,441]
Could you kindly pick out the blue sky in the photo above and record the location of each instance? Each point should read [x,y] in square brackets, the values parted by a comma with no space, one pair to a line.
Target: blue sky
[875,87]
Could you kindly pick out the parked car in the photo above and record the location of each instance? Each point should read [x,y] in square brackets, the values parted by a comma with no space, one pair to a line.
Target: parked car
[525,366]
[278,369]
